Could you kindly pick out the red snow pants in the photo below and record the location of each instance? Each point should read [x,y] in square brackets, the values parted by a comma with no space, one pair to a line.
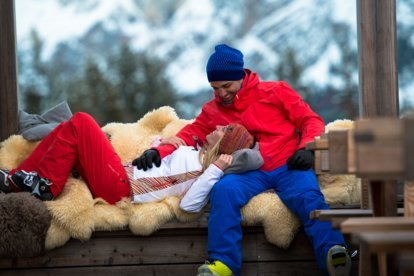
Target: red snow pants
[80,143]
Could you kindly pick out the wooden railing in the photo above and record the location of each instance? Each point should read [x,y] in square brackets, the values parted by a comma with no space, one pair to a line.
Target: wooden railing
[380,151]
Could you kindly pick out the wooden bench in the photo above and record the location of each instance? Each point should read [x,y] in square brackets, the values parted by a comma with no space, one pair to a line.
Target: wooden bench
[176,249]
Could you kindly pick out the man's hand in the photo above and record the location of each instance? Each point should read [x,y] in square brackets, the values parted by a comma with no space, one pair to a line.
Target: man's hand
[301,160]
[224,161]
[173,140]
[145,161]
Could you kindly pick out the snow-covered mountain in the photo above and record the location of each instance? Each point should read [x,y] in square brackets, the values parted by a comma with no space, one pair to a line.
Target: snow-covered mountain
[184,32]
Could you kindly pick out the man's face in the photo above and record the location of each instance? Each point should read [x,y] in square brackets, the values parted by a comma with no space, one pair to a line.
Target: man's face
[226,90]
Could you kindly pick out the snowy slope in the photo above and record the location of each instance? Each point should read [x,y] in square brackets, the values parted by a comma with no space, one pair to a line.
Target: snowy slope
[184,32]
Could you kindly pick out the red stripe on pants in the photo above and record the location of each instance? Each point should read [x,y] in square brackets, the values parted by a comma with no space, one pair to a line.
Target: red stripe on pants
[80,143]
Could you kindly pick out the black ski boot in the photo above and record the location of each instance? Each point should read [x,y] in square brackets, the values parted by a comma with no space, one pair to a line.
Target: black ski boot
[31,182]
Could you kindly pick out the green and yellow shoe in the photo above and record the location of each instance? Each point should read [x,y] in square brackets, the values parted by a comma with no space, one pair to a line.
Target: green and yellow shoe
[216,268]
[338,262]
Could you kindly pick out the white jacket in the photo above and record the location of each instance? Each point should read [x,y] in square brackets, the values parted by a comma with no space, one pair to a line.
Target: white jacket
[195,188]
[180,175]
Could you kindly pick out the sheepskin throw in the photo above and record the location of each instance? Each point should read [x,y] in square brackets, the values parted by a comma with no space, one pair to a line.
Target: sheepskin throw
[75,214]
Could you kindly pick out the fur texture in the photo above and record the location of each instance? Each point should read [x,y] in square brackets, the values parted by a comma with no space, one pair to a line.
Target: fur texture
[24,221]
[75,214]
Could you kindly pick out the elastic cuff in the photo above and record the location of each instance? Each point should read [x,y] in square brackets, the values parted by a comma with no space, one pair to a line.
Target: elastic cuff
[218,166]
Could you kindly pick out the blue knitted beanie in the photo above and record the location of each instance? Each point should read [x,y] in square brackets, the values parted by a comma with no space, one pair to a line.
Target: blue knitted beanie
[225,64]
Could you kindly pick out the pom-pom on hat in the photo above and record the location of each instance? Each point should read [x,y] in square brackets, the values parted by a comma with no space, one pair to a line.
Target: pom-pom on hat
[235,137]
[225,64]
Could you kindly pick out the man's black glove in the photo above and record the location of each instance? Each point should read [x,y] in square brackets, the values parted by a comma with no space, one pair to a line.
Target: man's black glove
[301,160]
[149,157]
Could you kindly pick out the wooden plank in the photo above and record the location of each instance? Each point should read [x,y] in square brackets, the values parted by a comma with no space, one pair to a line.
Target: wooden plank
[386,58]
[367,48]
[8,71]
[357,225]
[379,158]
[365,196]
[165,247]
[320,148]
[297,261]
[384,197]
[321,163]
[300,249]
[326,215]
[338,151]
[319,143]
[337,217]
[325,161]
[163,254]
[409,198]
[120,250]
[379,150]
[408,146]
[365,258]
[322,144]
[337,222]
[351,152]
[167,252]
[389,241]
[317,162]
[303,268]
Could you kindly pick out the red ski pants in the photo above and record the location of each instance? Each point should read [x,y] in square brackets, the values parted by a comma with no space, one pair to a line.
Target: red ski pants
[80,143]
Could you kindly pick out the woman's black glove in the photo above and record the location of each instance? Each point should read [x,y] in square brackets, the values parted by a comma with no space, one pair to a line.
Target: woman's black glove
[301,160]
[149,157]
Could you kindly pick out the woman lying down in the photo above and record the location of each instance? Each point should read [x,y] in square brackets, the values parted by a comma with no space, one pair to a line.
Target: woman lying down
[79,143]
[191,172]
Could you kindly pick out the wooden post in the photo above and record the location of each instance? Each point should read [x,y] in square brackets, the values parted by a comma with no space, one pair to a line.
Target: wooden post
[8,71]
[377,58]
[378,81]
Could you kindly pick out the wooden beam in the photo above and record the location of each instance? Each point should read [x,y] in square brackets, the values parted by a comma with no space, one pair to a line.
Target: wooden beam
[378,79]
[409,199]
[379,148]
[8,71]
[327,215]
[377,224]
[376,23]
[390,242]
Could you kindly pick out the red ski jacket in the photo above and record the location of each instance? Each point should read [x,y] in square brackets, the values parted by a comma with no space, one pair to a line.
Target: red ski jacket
[273,113]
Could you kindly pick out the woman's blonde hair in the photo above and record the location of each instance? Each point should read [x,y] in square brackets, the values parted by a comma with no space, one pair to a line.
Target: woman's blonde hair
[209,154]
[235,137]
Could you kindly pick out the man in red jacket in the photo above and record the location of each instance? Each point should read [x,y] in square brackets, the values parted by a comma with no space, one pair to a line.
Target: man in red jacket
[282,123]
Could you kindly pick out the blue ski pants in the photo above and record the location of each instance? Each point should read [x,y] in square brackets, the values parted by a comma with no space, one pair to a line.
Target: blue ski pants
[298,190]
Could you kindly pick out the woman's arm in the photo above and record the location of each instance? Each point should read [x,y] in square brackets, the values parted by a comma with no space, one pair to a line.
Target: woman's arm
[197,196]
